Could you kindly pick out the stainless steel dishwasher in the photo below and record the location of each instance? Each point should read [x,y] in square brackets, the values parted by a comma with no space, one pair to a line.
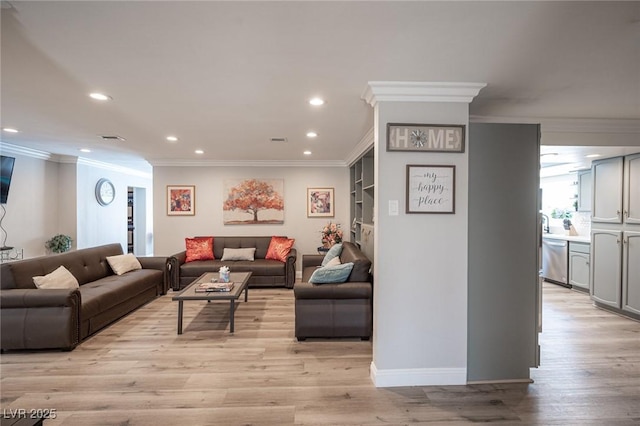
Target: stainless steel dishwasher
[555,261]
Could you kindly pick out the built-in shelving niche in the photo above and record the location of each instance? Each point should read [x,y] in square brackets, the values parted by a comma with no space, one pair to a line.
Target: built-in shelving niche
[362,197]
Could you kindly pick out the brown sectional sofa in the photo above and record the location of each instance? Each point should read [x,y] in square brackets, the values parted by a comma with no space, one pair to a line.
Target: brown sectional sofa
[33,318]
[265,272]
[335,309]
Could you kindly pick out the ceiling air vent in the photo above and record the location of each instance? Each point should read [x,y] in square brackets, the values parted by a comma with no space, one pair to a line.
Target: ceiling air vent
[113,138]
[281,140]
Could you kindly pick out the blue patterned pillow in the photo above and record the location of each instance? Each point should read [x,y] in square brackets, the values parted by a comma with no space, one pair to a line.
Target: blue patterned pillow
[333,252]
[332,274]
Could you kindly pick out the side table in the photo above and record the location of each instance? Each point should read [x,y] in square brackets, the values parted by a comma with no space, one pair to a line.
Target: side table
[11,255]
[323,250]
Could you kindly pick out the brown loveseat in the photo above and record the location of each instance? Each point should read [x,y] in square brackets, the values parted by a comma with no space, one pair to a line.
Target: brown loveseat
[33,318]
[264,272]
[335,309]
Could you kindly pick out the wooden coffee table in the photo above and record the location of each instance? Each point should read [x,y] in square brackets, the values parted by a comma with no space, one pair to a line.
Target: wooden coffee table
[239,279]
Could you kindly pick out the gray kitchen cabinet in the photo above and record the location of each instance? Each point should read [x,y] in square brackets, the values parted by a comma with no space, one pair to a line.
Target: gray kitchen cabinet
[631,272]
[579,265]
[615,235]
[606,266]
[631,211]
[584,191]
[607,190]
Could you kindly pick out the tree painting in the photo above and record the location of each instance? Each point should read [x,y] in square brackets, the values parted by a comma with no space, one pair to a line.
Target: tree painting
[254,201]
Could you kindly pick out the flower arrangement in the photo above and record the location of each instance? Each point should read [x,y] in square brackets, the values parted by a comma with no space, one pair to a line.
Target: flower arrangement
[331,234]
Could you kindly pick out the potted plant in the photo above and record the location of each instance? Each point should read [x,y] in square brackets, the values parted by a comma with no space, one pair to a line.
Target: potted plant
[559,213]
[59,243]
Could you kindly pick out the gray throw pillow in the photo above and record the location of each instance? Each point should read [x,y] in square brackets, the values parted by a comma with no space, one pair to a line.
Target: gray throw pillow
[238,254]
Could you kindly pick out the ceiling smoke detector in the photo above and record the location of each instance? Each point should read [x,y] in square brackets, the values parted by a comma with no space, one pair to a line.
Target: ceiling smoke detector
[113,138]
[281,140]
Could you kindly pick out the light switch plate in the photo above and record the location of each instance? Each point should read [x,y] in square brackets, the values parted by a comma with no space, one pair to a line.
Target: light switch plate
[393,207]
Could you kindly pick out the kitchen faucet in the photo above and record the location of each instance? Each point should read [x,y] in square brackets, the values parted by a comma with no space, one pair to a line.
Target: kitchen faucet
[545,224]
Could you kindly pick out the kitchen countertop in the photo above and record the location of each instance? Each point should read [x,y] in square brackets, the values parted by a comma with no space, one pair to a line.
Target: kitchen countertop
[578,238]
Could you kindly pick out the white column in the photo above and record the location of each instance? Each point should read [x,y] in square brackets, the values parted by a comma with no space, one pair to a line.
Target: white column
[420,274]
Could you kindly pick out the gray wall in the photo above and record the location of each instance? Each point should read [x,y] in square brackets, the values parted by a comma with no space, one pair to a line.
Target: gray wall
[51,195]
[420,293]
[108,224]
[170,231]
[32,206]
[503,250]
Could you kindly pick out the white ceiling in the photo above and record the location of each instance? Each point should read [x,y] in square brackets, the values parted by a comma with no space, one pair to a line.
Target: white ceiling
[225,77]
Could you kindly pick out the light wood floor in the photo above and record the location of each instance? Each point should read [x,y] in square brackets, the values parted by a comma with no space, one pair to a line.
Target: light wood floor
[140,372]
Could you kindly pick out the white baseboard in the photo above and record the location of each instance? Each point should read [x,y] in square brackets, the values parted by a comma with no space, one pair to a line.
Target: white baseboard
[417,377]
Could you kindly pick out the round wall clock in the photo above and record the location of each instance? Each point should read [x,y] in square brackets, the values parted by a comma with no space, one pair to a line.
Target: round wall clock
[105,192]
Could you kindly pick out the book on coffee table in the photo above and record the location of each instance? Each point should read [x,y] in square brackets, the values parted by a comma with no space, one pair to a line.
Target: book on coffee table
[208,287]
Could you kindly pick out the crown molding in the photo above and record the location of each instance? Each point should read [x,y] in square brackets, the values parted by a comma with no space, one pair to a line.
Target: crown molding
[248,163]
[26,152]
[414,91]
[567,125]
[363,146]
[6,148]
[110,167]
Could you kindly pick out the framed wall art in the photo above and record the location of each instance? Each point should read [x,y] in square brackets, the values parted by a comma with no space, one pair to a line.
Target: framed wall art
[425,137]
[320,202]
[431,189]
[253,201]
[181,200]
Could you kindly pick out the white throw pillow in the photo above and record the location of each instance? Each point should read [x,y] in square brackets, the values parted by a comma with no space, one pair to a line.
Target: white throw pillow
[123,263]
[60,278]
[335,250]
[333,262]
[238,254]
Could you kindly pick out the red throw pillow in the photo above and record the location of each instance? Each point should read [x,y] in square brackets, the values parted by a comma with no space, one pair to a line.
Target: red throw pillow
[279,248]
[199,248]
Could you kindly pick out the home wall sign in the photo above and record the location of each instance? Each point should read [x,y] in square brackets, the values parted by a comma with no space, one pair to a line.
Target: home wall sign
[425,137]
[431,189]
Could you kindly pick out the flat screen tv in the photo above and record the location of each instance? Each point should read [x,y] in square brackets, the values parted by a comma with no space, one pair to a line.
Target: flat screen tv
[6,170]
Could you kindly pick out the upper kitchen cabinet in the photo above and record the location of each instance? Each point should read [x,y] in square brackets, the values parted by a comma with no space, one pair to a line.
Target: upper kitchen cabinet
[631,211]
[607,190]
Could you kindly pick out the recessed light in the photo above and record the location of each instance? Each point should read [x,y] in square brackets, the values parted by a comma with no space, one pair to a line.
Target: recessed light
[316,101]
[307,153]
[592,155]
[172,138]
[10,130]
[312,134]
[85,150]
[100,96]
[548,153]
[199,151]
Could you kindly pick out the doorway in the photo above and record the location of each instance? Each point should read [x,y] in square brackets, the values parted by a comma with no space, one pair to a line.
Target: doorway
[137,221]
